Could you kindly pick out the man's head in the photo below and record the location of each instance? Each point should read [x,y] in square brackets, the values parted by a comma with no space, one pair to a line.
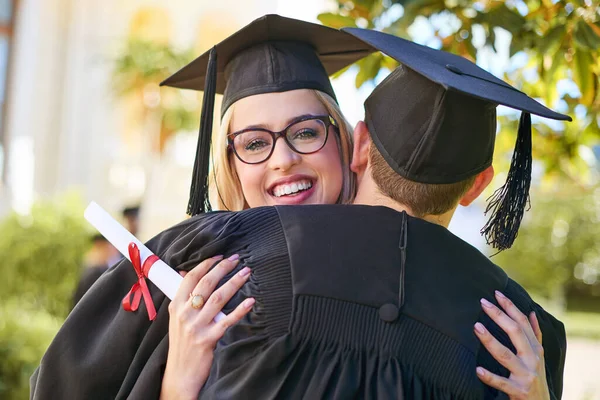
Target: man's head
[380,184]
[432,122]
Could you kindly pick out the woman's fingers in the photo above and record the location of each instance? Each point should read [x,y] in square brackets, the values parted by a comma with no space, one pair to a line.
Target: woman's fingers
[500,383]
[513,329]
[535,324]
[221,296]
[500,352]
[207,284]
[517,316]
[191,279]
[232,318]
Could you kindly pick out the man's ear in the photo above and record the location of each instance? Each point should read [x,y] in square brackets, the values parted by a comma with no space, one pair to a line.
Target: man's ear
[482,180]
[360,150]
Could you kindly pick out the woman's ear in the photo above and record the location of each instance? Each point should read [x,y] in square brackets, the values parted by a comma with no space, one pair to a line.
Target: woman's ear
[360,149]
[482,180]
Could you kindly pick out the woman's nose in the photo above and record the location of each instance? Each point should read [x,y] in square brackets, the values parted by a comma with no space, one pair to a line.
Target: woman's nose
[283,157]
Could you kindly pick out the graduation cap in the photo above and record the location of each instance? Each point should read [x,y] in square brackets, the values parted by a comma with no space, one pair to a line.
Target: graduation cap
[434,121]
[271,54]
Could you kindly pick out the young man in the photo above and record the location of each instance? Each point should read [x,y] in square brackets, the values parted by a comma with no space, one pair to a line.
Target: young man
[369,301]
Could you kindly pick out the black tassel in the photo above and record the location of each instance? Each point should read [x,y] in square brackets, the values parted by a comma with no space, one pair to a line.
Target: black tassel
[508,204]
[199,202]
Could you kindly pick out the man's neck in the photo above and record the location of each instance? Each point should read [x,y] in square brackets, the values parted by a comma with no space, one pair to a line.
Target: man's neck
[368,194]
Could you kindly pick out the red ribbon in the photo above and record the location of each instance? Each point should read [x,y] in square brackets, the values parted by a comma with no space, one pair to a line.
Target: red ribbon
[140,288]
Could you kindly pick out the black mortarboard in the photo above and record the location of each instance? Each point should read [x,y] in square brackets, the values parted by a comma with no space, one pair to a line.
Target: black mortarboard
[434,121]
[271,54]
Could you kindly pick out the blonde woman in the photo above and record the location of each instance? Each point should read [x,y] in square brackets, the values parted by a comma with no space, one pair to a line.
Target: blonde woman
[232,185]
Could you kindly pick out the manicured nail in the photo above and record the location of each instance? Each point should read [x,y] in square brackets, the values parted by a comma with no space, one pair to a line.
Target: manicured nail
[219,257]
[249,302]
[499,294]
[480,371]
[480,328]
[244,272]
[486,303]
[234,257]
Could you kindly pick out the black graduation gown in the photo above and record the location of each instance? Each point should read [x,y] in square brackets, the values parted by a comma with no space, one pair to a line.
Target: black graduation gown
[88,277]
[327,282]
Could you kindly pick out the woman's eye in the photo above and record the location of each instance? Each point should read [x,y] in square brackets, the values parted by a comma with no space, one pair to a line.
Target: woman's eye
[305,134]
[255,145]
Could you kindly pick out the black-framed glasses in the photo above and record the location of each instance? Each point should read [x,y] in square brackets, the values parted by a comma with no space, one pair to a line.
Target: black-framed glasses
[305,136]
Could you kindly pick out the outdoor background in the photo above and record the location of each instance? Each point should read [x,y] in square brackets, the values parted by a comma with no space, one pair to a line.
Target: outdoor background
[82,118]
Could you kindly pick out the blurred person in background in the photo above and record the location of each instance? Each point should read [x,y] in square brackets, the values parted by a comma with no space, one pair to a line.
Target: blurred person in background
[131,219]
[98,259]
[103,254]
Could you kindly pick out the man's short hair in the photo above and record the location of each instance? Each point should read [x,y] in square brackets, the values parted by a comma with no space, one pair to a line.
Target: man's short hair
[421,198]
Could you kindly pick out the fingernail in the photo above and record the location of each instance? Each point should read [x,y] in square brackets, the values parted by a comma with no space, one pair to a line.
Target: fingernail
[480,328]
[499,294]
[533,315]
[234,257]
[486,303]
[245,271]
[249,302]
[219,257]
[480,371]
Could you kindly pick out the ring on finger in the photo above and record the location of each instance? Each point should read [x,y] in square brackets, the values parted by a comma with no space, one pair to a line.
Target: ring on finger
[197,301]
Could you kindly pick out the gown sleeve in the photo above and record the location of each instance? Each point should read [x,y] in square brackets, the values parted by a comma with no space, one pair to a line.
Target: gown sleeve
[101,350]
[554,340]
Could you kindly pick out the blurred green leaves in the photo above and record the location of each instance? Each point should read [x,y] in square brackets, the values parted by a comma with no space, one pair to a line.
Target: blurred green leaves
[24,337]
[559,39]
[557,246]
[142,61]
[42,255]
[138,71]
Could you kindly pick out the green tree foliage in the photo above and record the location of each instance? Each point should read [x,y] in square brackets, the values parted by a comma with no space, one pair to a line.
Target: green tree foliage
[561,42]
[24,337]
[138,70]
[42,256]
[557,249]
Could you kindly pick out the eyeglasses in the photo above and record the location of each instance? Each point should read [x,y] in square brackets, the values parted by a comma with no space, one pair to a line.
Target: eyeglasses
[305,136]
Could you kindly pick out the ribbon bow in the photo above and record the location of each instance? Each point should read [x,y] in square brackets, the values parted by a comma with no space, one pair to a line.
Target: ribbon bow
[140,288]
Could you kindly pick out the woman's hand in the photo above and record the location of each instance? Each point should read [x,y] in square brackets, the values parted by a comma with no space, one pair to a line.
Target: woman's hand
[527,378]
[193,334]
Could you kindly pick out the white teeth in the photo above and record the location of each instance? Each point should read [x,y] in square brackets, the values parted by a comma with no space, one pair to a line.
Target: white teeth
[292,188]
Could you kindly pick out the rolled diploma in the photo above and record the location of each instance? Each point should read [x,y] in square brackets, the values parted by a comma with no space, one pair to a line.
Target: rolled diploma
[163,276]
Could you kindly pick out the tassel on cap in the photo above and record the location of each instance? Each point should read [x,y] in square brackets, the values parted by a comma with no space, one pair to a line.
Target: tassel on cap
[508,203]
[198,202]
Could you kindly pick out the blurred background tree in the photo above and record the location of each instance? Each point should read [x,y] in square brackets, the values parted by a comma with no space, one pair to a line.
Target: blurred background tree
[139,68]
[42,255]
[552,49]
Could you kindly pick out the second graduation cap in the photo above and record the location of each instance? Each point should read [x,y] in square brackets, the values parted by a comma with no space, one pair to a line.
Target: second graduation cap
[433,120]
[271,54]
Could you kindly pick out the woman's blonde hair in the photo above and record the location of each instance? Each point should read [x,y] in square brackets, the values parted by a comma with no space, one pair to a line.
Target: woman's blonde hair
[225,188]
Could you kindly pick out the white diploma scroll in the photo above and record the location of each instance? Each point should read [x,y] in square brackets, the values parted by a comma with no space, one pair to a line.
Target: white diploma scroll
[163,276]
